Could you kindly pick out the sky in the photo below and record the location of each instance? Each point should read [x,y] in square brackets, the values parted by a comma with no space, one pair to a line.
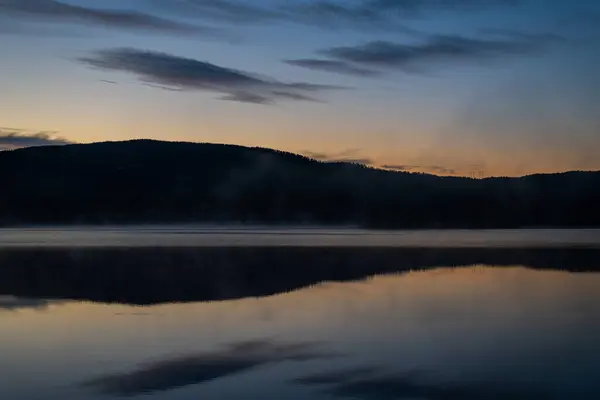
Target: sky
[450,87]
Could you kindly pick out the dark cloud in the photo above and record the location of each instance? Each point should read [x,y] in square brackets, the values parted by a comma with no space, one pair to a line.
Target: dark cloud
[338,66]
[399,167]
[16,138]
[162,87]
[57,11]
[346,156]
[189,74]
[331,156]
[367,384]
[373,58]
[440,170]
[204,367]
[436,169]
[362,161]
[437,49]
[327,14]
[246,97]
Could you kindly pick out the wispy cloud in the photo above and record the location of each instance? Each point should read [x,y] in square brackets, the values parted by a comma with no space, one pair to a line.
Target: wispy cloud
[181,73]
[434,51]
[58,11]
[398,167]
[228,11]
[436,169]
[338,66]
[15,138]
[346,156]
[327,14]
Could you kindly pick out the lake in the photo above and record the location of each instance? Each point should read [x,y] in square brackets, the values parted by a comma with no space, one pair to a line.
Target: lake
[211,313]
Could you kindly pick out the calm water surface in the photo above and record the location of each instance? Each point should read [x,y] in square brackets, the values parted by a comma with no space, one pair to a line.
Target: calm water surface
[298,236]
[299,323]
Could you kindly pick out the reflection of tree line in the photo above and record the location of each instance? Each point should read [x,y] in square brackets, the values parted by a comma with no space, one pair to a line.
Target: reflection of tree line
[155,275]
[148,181]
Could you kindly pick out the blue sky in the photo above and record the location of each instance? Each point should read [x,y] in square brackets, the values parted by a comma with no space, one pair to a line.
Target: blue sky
[443,86]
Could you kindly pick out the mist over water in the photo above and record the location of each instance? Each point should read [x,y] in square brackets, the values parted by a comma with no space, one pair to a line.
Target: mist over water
[243,235]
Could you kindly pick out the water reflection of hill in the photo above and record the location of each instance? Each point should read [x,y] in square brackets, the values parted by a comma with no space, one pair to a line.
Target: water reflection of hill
[148,276]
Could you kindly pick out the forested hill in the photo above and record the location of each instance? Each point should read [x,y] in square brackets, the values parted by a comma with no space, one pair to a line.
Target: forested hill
[144,181]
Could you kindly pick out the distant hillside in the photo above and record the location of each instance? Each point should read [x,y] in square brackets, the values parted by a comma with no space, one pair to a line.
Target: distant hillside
[144,181]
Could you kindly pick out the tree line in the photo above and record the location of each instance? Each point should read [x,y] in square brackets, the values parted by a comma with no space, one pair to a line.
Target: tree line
[146,181]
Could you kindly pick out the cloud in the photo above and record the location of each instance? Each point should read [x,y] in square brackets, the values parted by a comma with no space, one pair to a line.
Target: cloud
[57,11]
[435,50]
[181,73]
[376,57]
[332,66]
[362,161]
[398,167]
[346,156]
[246,97]
[327,14]
[16,138]
[436,169]
[440,170]
[195,369]
[230,11]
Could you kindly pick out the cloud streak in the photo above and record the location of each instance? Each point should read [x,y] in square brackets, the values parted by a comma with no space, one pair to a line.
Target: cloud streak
[57,11]
[179,73]
[16,138]
[438,48]
[337,66]
[346,156]
[327,14]
[436,51]
[436,169]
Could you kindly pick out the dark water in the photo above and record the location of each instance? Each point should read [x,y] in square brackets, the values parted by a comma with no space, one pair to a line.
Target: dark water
[305,322]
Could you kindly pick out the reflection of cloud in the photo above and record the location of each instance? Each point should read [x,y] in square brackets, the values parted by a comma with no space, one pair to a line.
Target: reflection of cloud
[199,368]
[58,11]
[357,384]
[335,377]
[16,138]
[190,74]
[12,303]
